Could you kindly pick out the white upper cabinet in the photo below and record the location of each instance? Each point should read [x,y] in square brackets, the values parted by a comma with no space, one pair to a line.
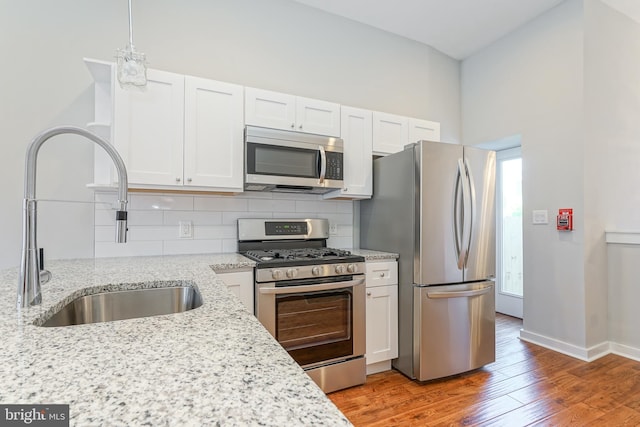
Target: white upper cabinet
[391,132]
[423,129]
[356,130]
[176,132]
[288,112]
[213,134]
[148,128]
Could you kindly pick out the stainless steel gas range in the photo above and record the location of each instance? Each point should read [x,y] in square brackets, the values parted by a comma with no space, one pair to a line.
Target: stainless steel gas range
[309,297]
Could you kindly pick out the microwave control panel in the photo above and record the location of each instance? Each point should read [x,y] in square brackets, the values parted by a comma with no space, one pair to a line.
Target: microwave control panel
[334,166]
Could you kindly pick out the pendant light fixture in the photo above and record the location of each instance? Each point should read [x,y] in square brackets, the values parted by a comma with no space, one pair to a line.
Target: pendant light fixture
[132,69]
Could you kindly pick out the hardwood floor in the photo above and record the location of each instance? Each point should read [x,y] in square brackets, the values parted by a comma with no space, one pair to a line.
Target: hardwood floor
[527,385]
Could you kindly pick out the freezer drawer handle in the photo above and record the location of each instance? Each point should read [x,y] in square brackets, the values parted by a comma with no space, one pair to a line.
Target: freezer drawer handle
[458,294]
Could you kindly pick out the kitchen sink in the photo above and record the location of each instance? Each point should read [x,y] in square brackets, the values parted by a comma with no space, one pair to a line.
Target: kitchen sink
[129,304]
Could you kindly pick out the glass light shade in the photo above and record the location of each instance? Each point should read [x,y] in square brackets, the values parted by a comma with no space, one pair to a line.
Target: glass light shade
[132,69]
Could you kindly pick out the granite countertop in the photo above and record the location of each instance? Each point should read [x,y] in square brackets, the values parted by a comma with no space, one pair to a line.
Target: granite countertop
[371,255]
[215,365]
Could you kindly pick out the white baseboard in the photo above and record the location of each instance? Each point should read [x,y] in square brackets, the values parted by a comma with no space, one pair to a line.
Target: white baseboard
[625,351]
[582,353]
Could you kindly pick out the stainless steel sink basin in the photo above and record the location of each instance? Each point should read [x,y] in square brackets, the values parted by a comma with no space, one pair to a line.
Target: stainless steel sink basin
[120,305]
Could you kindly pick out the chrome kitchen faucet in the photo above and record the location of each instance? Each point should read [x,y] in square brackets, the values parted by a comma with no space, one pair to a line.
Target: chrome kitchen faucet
[31,277]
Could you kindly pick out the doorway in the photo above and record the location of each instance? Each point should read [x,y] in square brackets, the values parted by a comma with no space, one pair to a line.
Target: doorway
[509,280]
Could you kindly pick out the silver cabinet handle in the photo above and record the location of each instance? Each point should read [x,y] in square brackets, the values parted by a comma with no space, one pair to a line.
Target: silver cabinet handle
[178,179]
[381,274]
[300,127]
[369,293]
[189,180]
[293,125]
[458,294]
[311,288]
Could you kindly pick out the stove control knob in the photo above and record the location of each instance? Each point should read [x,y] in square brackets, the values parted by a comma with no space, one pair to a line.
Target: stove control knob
[292,272]
[340,269]
[315,271]
[276,274]
[352,268]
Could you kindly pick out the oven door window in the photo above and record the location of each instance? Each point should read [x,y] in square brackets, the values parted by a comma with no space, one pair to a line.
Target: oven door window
[315,326]
[282,161]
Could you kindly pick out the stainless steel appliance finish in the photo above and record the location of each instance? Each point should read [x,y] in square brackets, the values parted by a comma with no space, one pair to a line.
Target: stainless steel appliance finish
[433,204]
[288,161]
[309,297]
[130,304]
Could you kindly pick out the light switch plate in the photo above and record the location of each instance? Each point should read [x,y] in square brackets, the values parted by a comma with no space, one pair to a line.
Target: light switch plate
[541,217]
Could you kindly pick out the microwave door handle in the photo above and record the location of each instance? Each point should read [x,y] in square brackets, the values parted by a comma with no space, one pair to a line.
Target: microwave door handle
[323,164]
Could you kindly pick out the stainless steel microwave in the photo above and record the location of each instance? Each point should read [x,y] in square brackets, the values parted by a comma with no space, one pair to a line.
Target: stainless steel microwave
[286,161]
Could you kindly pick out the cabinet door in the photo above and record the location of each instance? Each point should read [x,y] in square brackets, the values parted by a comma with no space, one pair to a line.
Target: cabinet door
[213,152]
[148,129]
[318,117]
[423,129]
[390,133]
[269,109]
[382,323]
[240,283]
[356,131]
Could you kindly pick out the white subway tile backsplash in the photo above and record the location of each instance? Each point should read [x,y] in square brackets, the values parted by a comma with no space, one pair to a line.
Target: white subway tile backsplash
[161,202]
[231,218]
[196,217]
[112,249]
[149,232]
[219,203]
[145,218]
[215,232]
[154,218]
[271,205]
[105,233]
[178,247]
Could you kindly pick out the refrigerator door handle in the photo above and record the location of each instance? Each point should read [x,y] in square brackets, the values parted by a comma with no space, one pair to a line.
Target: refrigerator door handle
[458,294]
[457,213]
[471,218]
[466,214]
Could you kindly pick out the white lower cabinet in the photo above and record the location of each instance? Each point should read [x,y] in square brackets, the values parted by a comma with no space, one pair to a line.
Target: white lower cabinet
[241,284]
[382,315]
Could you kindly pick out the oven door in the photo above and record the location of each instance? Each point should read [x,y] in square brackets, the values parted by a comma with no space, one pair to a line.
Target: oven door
[317,323]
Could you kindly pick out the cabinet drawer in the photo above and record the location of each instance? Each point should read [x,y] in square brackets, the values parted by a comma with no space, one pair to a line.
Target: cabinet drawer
[382,273]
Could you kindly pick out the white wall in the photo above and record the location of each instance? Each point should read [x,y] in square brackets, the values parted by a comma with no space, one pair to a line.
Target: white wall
[272,44]
[530,83]
[612,95]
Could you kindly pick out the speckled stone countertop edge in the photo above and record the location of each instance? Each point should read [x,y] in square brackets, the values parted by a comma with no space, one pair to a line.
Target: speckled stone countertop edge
[214,365]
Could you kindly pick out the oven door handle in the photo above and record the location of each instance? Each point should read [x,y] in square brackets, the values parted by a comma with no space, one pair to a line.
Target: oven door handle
[311,288]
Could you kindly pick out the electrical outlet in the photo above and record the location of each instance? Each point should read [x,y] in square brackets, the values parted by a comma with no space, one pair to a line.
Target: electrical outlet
[333,229]
[185,230]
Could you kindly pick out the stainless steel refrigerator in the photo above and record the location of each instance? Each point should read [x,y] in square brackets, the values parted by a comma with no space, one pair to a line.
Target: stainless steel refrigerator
[434,205]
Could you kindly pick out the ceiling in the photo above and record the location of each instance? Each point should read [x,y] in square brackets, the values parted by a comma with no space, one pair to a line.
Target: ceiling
[457,28]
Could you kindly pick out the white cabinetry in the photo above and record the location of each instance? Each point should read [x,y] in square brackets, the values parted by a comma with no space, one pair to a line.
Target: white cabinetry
[391,132]
[176,132]
[240,283]
[356,132]
[382,315]
[288,112]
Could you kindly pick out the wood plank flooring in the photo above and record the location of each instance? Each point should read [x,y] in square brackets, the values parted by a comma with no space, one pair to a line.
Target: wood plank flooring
[526,385]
